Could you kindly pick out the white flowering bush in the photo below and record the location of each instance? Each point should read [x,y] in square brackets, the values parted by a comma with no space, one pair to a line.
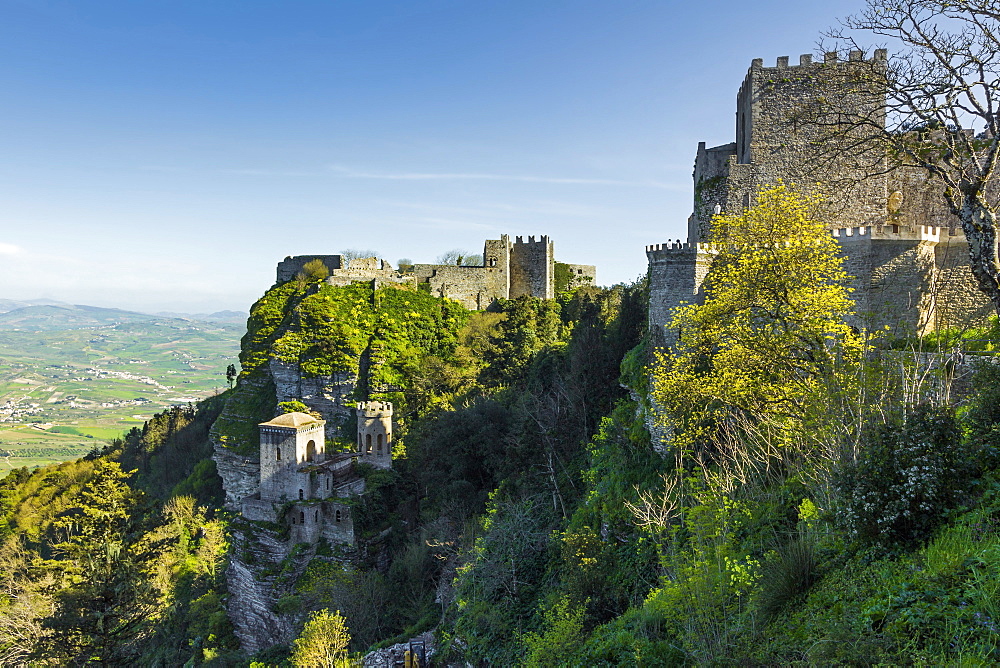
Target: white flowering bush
[907,477]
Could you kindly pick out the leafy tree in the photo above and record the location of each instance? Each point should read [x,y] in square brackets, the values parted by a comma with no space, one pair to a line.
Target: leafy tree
[942,92]
[323,642]
[101,614]
[314,270]
[231,374]
[770,342]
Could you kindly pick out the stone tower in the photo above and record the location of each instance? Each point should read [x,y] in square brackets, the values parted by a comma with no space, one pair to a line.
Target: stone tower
[532,268]
[375,433]
[774,142]
[287,443]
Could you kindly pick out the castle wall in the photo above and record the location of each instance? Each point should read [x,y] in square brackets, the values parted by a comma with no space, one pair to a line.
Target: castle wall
[532,268]
[581,275]
[676,274]
[291,266]
[906,253]
[959,301]
[468,285]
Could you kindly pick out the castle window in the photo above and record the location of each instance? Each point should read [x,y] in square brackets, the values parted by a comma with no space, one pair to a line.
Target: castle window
[300,495]
[293,520]
[328,484]
[277,454]
[338,515]
[311,450]
[302,517]
[380,444]
[368,442]
[493,262]
[359,440]
[317,516]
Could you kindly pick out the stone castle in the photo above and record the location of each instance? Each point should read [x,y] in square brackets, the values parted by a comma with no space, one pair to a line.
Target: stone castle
[904,249]
[509,270]
[308,489]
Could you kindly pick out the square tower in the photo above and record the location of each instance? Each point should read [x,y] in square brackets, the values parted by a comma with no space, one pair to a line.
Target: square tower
[533,268]
[288,442]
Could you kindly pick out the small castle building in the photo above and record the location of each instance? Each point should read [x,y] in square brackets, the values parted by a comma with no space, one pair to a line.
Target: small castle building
[305,487]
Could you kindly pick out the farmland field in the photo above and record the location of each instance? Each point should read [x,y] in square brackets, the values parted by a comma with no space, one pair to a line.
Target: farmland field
[72,378]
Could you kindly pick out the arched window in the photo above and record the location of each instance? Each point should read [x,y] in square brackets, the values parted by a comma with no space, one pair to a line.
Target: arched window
[360,444]
[317,516]
[302,517]
[277,454]
[311,451]
[328,483]
[368,442]
[380,444]
[338,515]
[300,495]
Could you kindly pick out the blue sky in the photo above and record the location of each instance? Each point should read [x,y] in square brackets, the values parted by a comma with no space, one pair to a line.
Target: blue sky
[166,155]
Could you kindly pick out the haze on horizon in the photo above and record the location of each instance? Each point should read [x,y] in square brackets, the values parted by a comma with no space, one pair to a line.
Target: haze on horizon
[159,157]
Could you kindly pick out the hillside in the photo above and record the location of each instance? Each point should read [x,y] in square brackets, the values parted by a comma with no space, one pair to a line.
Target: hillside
[83,375]
[774,490]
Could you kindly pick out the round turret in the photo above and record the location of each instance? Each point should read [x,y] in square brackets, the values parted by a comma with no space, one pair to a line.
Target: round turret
[375,433]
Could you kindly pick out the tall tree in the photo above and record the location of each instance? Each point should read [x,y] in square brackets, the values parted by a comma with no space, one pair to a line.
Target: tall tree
[101,613]
[770,342]
[942,93]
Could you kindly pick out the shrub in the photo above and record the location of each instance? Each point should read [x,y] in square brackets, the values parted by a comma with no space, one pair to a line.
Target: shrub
[906,478]
[787,573]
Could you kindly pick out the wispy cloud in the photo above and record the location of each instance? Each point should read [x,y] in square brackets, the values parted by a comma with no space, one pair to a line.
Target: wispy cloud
[10,249]
[478,176]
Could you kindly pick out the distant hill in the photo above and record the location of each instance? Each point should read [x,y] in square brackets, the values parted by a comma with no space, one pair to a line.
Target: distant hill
[61,317]
[57,316]
[218,316]
[11,304]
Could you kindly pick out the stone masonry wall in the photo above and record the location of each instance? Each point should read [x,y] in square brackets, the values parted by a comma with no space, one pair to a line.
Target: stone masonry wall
[290,266]
[532,268]
[676,274]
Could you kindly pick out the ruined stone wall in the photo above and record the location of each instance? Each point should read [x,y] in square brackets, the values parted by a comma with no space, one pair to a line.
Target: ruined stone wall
[581,274]
[290,266]
[467,285]
[532,268]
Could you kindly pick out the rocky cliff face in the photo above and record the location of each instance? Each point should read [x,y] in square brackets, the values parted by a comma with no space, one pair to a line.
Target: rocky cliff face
[328,395]
[261,570]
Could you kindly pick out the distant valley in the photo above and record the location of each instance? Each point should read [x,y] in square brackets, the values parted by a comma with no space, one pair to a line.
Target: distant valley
[73,377]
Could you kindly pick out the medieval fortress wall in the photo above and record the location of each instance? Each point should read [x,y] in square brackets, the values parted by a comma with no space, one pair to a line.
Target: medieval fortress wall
[902,246]
[509,270]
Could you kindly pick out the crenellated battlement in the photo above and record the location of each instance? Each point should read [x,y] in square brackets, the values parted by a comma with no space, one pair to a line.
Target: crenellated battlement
[829,58]
[375,409]
[929,233]
[680,247]
[543,239]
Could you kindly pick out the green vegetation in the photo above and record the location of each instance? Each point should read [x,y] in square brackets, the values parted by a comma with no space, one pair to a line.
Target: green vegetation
[775,488]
